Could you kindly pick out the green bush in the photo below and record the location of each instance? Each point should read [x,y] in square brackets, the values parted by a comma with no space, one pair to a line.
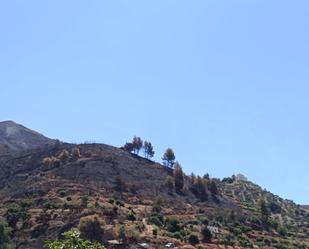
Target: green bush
[193,239]
[156,219]
[72,240]
[62,193]
[14,213]
[111,200]
[119,203]
[5,232]
[85,199]
[282,231]
[177,235]
[206,234]
[155,232]
[172,225]
[50,205]
[131,216]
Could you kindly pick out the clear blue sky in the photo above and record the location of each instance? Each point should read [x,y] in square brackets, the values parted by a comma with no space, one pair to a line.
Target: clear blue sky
[224,83]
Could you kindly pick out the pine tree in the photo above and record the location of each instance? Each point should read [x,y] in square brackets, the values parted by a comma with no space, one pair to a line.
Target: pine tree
[137,144]
[265,214]
[178,177]
[169,158]
[213,188]
[128,147]
[148,150]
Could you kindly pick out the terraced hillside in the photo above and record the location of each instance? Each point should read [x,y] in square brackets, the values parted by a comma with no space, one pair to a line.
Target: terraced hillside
[48,190]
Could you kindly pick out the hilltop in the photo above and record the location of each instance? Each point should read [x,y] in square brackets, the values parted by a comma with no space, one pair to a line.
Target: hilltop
[17,137]
[48,187]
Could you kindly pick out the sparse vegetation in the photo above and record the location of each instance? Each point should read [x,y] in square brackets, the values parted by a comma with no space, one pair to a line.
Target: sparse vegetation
[121,188]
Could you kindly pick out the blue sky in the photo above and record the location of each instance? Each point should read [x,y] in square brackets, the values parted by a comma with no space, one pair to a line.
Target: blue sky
[224,83]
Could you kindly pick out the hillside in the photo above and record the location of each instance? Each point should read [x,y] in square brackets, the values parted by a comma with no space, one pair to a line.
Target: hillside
[47,190]
[18,137]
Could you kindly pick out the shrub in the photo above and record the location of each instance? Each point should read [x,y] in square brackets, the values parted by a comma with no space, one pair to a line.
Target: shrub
[204,221]
[131,216]
[85,199]
[122,233]
[172,225]
[155,232]
[62,193]
[13,214]
[91,228]
[50,205]
[64,155]
[75,153]
[193,239]
[206,234]
[156,219]
[67,205]
[72,240]
[119,203]
[5,232]
[274,207]
[47,161]
[51,162]
[282,231]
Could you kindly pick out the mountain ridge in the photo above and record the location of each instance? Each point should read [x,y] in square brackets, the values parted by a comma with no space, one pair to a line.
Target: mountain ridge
[18,137]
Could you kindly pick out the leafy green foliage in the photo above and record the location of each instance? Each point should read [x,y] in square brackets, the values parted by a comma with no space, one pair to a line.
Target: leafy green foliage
[72,241]
[5,233]
[14,213]
[131,215]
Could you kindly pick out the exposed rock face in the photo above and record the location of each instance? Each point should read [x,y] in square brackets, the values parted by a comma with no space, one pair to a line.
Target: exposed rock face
[17,137]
